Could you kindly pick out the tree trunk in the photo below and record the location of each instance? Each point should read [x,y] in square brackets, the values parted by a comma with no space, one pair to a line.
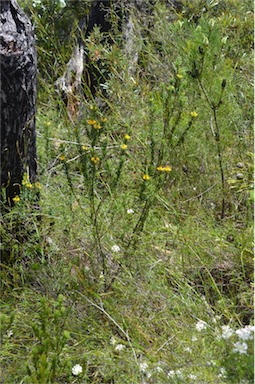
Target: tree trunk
[18,98]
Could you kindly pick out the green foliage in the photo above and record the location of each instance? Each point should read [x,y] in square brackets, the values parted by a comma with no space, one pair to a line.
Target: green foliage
[138,266]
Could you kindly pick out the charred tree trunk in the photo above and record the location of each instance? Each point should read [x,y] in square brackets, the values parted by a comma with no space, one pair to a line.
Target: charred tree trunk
[18,98]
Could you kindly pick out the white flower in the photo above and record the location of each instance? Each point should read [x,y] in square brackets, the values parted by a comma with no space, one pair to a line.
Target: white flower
[9,333]
[115,248]
[143,367]
[188,349]
[194,338]
[193,377]
[227,332]
[174,373]
[200,325]
[211,363]
[77,369]
[159,369]
[112,340]
[119,347]
[222,372]
[244,334]
[130,211]
[240,347]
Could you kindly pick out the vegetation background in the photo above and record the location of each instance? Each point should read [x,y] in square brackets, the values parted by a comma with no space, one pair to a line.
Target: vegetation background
[138,266]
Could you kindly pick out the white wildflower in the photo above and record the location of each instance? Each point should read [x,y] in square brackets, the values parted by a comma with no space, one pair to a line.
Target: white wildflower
[119,347]
[77,369]
[211,363]
[222,372]
[115,248]
[130,211]
[244,334]
[192,377]
[9,333]
[240,347]
[194,338]
[113,340]
[188,349]
[227,332]
[200,325]
[173,373]
[143,367]
[159,369]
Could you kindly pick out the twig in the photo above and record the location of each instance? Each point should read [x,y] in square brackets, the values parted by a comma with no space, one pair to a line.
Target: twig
[101,308]
[200,194]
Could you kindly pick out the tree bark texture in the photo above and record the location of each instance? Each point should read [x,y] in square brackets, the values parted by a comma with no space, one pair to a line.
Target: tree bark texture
[18,98]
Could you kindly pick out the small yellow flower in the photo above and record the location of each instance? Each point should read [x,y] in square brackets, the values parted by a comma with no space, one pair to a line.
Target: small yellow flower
[127,137]
[62,157]
[92,107]
[167,168]
[104,119]
[160,168]
[29,185]
[146,177]
[179,76]
[194,114]
[38,185]
[95,159]
[84,148]
[97,126]
[123,147]
[16,199]
[48,123]
[91,122]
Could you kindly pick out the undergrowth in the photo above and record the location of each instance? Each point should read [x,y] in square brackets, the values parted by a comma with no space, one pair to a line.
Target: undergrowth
[135,265]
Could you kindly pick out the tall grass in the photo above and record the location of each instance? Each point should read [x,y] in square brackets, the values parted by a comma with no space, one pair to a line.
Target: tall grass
[138,265]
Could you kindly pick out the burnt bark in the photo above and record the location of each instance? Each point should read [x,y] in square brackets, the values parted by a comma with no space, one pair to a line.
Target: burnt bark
[18,98]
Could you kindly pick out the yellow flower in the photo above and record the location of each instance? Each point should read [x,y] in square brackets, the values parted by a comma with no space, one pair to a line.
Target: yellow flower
[104,119]
[146,177]
[16,199]
[38,185]
[95,159]
[167,168]
[127,137]
[84,148]
[179,76]
[97,126]
[29,185]
[62,157]
[91,122]
[194,114]
[123,147]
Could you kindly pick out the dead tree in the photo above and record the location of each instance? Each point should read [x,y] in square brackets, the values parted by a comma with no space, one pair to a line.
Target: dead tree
[18,97]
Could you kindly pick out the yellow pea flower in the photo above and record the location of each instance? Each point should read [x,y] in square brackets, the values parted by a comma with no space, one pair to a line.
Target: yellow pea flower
[16,199]
[91,122]
[123,147]
[95,159]
[194,114]
[146,177]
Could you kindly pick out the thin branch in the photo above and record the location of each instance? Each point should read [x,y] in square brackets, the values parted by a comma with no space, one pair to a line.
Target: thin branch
[101,308]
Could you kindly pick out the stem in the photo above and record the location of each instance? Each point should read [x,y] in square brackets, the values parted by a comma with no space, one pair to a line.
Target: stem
[214,108]
[217,138]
